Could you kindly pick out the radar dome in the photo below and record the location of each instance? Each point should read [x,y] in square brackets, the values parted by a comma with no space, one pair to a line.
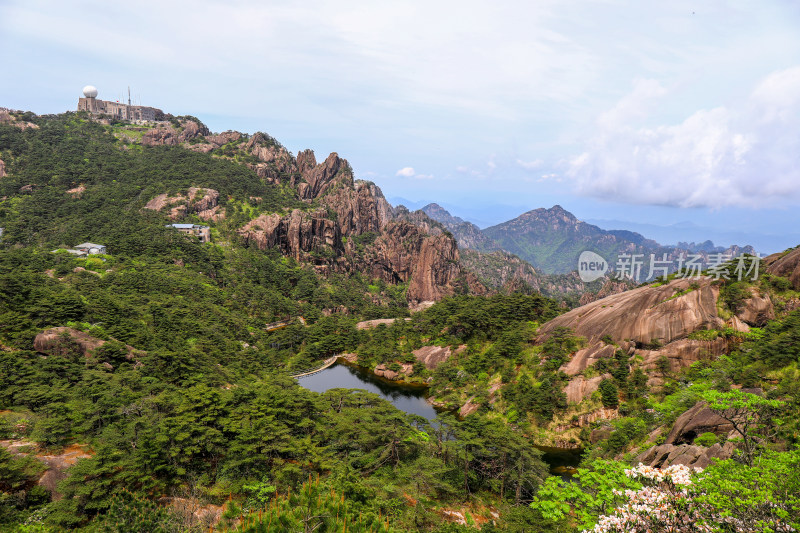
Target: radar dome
[90,91]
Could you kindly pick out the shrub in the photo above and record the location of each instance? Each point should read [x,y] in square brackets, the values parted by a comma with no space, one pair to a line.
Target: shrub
[706,439]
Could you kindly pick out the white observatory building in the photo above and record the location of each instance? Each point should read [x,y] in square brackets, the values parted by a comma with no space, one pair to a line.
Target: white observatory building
[118,110]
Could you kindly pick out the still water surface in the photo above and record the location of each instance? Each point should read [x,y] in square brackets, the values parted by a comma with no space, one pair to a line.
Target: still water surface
[411,399]
[406,398]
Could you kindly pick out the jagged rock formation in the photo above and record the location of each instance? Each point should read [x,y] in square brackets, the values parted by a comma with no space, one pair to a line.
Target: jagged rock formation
[786,264]
[307,236]
[650,321]
[202,202]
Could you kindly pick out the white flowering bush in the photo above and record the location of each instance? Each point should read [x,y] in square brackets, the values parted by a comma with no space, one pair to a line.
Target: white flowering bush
[728,496]
[662,504]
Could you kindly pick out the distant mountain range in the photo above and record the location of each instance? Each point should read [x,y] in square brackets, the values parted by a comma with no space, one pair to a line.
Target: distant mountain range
[551,240]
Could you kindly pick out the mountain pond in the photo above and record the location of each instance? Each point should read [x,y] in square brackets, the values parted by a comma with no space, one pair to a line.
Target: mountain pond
[412,399]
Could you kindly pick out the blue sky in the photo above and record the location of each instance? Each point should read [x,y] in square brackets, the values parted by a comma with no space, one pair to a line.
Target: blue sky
[625,113]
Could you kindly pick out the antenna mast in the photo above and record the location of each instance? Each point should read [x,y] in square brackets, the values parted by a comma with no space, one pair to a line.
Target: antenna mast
[129,95]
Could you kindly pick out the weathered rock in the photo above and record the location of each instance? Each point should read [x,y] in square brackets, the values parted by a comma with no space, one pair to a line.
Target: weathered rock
[696,421]
[646,317]
[369,324]
[683,353]
[468,408]
[384,372]
[2,169]
[63,341]
[203,202]
[56,465]
[433,356]
[76,192]
[167,135]
[756,310]
[785,264]
[296,235]
[318,179]
[665,455]
[610,287]
[579,387]
[195,514]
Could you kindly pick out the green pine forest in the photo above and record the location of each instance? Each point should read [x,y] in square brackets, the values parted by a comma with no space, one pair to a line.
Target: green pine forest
[191,399]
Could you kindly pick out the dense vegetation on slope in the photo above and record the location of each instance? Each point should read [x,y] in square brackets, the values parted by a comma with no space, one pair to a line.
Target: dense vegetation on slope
[189,396]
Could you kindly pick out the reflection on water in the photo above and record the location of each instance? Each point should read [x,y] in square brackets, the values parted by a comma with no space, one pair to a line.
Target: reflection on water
[412,400]
[406,398]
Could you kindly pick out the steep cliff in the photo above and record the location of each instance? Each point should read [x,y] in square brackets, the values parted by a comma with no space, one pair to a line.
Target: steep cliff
[347,226]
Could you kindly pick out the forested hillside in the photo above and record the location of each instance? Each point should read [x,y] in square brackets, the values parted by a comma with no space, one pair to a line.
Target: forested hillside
[149,388]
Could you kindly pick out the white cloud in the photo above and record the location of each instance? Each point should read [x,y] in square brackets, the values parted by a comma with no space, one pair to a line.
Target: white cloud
[409,172]
[746,154]
[530,165]
[406,172]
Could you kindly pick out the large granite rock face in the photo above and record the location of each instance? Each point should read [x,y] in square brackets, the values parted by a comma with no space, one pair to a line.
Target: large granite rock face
[696,421]
[298,234]
[652,322]
[433,356]
[756,310]
[786,265]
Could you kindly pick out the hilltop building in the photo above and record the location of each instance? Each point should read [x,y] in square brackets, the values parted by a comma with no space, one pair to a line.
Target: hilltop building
[119,110]
[201,232]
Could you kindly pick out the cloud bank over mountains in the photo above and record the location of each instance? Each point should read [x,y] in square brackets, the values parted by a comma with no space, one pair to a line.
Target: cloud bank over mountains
[744,154]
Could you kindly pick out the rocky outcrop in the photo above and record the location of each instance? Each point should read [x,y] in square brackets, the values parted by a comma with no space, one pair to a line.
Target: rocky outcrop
[56,465]
[403,253]
[696,421]
[684,454]
[303,235]
[64,341]
[194,513]
[2,169]
[317,180]
[433,356]
[168,135]
[359,208]
[653,322]
[684,352]
[369,324]
[785,264]
[756,310]
[202,202]
[393,375]
[580,387]
[77,192]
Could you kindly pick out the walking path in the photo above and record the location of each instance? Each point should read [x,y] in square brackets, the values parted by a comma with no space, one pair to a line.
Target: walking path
[328,362]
